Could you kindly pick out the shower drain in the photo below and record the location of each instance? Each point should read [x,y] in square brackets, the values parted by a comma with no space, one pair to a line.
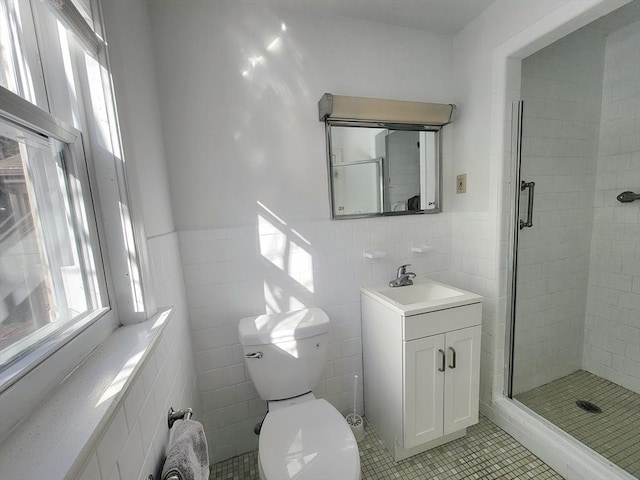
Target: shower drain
[588,406]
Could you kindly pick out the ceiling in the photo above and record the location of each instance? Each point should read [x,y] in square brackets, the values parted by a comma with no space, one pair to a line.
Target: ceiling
[439,16]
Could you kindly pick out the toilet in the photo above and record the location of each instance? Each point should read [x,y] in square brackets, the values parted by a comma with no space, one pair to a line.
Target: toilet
[302,437]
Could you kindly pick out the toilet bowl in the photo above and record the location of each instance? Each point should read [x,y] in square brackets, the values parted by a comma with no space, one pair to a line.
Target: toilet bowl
[302,437]
[307,441]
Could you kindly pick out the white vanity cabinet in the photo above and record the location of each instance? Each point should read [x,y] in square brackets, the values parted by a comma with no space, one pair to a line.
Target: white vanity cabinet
[421,371]
[440,394]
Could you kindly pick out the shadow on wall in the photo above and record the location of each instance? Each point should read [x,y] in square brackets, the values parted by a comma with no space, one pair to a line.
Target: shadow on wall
[290,257]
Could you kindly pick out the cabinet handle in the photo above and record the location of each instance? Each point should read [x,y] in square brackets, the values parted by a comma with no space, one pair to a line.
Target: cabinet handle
[453,360]
[444,360]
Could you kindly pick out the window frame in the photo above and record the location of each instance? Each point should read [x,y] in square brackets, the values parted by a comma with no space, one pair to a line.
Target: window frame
[117,205]
[24,114]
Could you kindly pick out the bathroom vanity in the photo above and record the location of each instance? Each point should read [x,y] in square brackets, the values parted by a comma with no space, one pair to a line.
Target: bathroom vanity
[421,348]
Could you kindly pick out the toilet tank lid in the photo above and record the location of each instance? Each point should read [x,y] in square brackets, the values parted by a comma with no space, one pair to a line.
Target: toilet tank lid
[282,327]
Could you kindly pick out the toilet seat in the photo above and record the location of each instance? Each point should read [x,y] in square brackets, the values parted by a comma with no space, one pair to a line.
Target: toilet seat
[308,441]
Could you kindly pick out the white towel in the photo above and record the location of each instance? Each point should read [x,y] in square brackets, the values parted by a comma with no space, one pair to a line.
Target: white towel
[187,453]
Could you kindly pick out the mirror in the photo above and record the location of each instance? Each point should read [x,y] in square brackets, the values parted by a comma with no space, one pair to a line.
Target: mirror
[383,169]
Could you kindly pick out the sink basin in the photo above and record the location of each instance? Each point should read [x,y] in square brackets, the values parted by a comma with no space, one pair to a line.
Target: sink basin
[420,292]
[423,296]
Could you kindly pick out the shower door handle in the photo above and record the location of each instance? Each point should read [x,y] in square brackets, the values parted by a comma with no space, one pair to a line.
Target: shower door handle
[531,186]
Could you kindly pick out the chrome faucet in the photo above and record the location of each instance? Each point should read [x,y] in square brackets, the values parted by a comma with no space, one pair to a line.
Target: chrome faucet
[403,278]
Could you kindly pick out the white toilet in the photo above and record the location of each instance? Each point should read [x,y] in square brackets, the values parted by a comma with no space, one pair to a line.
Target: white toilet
[302,437]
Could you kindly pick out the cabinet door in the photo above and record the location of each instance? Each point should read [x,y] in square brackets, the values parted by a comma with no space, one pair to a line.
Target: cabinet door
[462,381]
[423,390]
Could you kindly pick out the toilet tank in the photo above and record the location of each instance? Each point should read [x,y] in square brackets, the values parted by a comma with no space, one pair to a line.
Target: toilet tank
[285,352]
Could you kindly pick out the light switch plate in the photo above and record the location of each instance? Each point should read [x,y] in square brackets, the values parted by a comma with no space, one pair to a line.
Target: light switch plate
[461,183]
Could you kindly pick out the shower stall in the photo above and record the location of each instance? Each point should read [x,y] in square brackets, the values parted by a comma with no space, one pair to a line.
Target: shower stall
[575,303]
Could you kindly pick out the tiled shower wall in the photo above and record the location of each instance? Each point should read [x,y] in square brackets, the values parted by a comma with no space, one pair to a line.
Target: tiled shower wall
[273,266]
[133,444]
[612,334]
[561,89]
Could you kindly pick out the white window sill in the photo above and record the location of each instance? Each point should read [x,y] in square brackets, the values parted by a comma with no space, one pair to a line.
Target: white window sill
[57,438]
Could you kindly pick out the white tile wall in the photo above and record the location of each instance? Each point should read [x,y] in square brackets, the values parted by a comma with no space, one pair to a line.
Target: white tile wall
[612,334]
[474,267]
[488,77]
[133,444]
[274,266]
[561,89]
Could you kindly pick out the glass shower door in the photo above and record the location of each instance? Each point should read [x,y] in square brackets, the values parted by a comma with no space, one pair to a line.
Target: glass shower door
[575,272]
[552,236]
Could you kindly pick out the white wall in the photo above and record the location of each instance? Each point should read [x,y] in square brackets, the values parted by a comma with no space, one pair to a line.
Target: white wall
[133,444]
[131,61]
[562,89]
[234,140]
[274,266]
[247,165]
[479,79]
[612,336]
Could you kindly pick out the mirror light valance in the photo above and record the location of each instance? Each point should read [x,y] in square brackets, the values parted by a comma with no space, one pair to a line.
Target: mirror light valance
[340,107]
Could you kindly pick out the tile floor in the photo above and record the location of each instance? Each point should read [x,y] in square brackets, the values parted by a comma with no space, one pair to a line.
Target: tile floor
[614,433]
[487,452]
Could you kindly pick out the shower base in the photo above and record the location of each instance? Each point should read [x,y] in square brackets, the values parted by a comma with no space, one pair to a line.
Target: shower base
[613,433]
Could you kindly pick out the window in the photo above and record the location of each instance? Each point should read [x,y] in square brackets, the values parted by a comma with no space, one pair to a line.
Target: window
[69,252]
[18,52]
[49,270]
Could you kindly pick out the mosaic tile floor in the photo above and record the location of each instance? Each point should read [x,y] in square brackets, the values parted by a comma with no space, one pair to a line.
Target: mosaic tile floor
[487,452]
[614,433]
